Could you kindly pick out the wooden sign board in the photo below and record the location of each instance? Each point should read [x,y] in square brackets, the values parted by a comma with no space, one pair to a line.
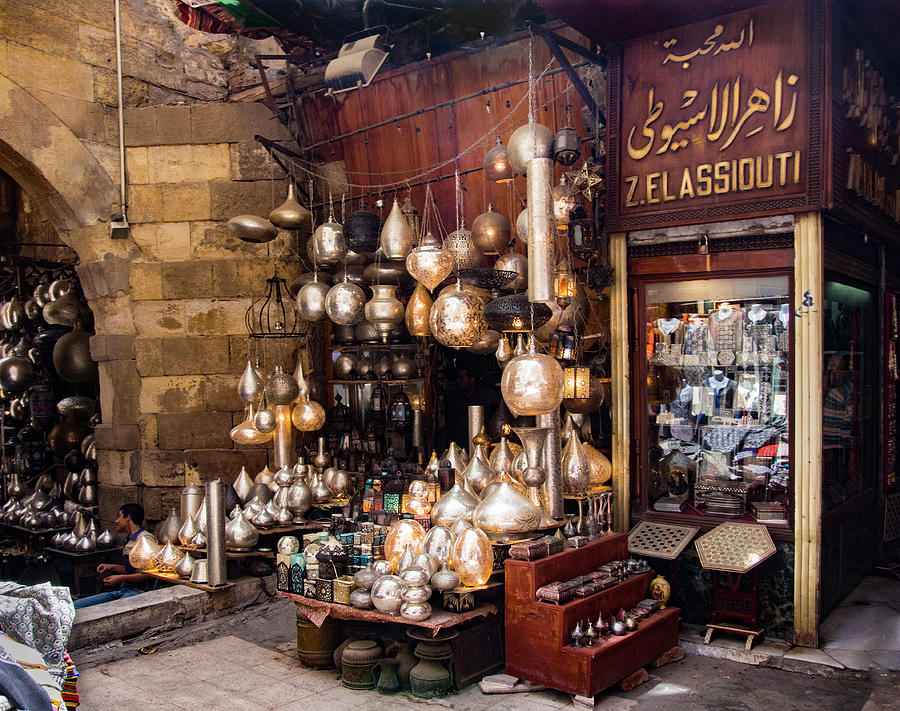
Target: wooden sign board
[719,120]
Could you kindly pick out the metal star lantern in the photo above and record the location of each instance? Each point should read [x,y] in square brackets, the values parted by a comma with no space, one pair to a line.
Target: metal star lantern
[588,179]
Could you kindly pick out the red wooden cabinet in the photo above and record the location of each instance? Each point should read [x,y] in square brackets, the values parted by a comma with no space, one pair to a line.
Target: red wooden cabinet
[538,633]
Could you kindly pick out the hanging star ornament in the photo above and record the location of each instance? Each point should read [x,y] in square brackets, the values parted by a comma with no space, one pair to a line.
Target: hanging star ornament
[588,180]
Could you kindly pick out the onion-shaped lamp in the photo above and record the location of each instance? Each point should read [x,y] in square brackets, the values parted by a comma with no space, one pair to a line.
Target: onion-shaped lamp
[496,164]
[430,263]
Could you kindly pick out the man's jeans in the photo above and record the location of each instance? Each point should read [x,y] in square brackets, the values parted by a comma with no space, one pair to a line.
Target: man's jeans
[122,592]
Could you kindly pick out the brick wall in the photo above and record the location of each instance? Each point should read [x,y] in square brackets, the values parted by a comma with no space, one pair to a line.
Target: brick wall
[168,302]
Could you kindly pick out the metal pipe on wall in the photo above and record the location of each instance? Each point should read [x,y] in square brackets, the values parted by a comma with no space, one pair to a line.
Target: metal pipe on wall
[553,488]
[215,533]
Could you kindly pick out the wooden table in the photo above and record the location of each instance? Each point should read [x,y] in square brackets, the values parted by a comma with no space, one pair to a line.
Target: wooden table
[317,611]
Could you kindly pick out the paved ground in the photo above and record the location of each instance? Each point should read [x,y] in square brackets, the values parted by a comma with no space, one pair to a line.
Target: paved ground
[248,662]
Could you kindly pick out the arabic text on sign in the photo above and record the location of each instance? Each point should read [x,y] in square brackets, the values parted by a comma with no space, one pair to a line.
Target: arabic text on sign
[728,117]
[712,46]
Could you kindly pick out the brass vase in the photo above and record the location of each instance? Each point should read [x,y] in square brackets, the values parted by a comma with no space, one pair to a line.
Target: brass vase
[383,310]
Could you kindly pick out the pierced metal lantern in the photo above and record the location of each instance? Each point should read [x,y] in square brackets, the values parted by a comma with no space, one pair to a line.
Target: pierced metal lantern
[311,300]
[566,146]
[344,304]
[396,235]
[513,314]
[514,262]
[362,230]
[578,383]
[565,198]
[329,246]
[456,319]
[532,383]
[582,233]
[462,246]
[430,263]
[496,164]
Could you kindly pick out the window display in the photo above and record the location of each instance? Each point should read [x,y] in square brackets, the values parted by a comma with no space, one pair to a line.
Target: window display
[717,397]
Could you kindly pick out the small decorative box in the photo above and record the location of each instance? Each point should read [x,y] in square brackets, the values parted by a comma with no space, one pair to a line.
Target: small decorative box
[579,541]
[528,550]
[325,590]
[309,588]
[556,592]
[346,539]
[343,586]
[587,589]
[312,570]
[458,601]
[554,545]
[282,577]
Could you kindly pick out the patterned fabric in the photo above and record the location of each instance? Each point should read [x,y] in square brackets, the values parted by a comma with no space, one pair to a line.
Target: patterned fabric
[41,617]
[23,676]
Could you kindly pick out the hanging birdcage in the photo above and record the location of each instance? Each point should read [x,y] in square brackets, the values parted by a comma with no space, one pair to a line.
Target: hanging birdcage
[274,316]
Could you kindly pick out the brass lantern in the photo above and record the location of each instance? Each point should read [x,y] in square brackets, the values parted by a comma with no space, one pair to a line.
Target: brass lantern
[462,246]
[496,164]
[533,140]
[532,383]
[396,235]
[456,319]
[578,383]
[418,312]
[566,146]
[491,232]
[564,286]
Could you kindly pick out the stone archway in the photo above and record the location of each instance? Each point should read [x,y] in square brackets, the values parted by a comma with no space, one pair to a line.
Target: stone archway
[46,158]
[72,189]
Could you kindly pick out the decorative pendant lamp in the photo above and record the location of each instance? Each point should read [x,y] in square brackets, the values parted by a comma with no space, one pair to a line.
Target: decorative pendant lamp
[479,473]
[281,389]
[576,467]
[514,314]
[487,344]
[505,513]
[250,385]
[311,300]
[456,319]
[252,229]
[566,146]
[344,303]
[290,215]
[456,504]
[514,262]
[533,140]
[328,243]
[496,164]
[503,352]
[418,312]
[522,225]
[308,416]
[471,557]
[533,383]
[565,199]
[491,232]
[585,393]
[396,234]
[383,310]
[541,234]
[246,432]
[565,286]
[362,230]
[264,419]
[430,263]
[461,245]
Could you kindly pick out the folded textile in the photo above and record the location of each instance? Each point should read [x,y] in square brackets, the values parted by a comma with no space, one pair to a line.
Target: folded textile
[25,680]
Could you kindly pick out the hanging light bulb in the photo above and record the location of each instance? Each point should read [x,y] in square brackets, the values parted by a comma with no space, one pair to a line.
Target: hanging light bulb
[496,164]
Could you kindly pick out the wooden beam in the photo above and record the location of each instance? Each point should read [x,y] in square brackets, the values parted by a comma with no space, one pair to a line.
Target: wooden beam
[621,381]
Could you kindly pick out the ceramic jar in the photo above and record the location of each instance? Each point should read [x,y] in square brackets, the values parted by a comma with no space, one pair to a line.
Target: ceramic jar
[358,664]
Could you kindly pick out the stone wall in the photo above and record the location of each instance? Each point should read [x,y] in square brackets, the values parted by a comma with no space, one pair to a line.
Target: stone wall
[169,301]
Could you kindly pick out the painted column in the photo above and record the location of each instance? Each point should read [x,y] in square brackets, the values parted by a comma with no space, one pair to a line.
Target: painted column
[621,382]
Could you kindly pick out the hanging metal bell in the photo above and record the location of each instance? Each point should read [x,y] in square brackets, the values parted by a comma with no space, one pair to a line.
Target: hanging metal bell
[566,146]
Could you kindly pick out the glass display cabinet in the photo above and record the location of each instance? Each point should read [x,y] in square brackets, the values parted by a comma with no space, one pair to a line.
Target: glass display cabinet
[711,412]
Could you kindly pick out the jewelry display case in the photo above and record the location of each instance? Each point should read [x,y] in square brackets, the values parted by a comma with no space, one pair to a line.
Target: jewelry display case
[711,410]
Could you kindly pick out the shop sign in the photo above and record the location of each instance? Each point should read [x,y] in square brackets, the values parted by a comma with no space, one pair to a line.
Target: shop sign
[717,120]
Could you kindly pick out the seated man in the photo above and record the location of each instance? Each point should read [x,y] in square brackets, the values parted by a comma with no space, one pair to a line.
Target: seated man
[123,575]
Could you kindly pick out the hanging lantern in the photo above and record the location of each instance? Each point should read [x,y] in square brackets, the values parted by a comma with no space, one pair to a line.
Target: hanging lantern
[582,233]
[281,389]
[564,286]
[388,271]
[362,230]
[487,344]
[246,432]
[329,246]
[580,403]
[252,229]
[578,382]
[491,232]
[541,235]
[503,352]
[522,225]
[400,411]
[565,199]
[496,164]
[311,300]
[290,215]
[532,383]
[456,319]
[344,304]
[515,314]
[384,311]
[396,235]
[272,315]
[430,263]
[411,214]
[532,140]
[576,467]
[566,146]
[514,262]
[308,416]
[461,245]
[418,312]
